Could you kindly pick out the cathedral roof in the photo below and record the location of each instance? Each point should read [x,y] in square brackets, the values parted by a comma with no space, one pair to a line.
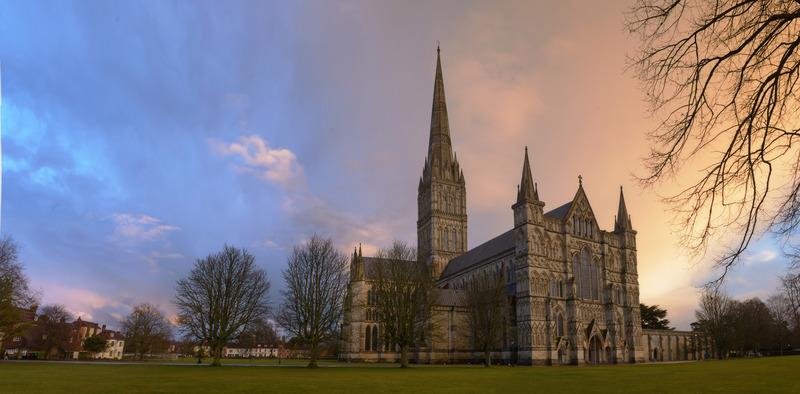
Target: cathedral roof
[560,212]
[494,247]
[371,262]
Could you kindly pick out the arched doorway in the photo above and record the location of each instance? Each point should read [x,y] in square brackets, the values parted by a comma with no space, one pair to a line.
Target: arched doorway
[655,354]
[560,357]
[609,356]
[595,350]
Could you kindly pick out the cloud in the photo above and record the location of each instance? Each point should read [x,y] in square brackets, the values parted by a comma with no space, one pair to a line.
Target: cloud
[80,301]
[137,227]
[313,215]
[307,213]
[760,257]
[155,257]
[274,165]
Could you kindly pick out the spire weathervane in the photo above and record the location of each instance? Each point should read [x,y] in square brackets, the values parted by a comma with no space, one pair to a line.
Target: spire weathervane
[580,180]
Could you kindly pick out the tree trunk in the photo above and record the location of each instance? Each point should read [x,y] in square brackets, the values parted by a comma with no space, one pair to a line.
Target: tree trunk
[487,358]
[313,354]
[404,356]
[217,352]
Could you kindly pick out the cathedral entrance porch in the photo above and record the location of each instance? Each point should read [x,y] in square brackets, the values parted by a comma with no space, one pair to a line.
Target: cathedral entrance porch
[595,351]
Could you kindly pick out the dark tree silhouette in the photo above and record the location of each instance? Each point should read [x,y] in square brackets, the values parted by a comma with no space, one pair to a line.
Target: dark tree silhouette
[223,294]
[487,311]
[722,78]
[54,329]
[403,289]
[714,318]
[94,344]
[654,317]
[316,284]
[15,293]
[146,330]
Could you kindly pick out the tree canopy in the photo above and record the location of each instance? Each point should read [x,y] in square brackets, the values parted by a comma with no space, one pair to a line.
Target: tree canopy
[654,317]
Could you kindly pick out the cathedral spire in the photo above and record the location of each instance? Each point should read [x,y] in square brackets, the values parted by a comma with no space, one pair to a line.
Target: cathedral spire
[527,189]
[439,148]
[623,220]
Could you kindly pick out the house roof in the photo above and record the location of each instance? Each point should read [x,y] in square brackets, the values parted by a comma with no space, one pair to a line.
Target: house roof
[494,247]
[110,334]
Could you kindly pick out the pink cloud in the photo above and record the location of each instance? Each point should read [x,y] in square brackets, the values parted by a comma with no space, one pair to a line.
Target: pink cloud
[277,165]
[137,227]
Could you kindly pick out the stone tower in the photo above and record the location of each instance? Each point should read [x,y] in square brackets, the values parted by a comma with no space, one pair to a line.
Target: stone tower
[442,194]
[529,268]
[630,281]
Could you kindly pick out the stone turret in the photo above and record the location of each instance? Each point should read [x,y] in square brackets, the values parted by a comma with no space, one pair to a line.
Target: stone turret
[622,222]
[530,305]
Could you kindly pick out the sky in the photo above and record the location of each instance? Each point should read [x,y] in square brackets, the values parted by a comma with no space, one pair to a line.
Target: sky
[140,136]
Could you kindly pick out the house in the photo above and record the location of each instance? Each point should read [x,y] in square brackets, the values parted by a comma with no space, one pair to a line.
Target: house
[257,351]
[82,329]
[115,344]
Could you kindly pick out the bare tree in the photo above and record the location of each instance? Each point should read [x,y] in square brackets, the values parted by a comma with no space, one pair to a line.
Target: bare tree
[15,293]
[54,329]
[316,283]
[487,311]
[780,310]
[722,77]
[790,284]
[403,289]
[714,317]
[12,275]
[146,330]
[222,295]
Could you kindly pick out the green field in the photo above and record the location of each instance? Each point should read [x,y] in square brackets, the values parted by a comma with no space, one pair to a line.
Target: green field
[778,374]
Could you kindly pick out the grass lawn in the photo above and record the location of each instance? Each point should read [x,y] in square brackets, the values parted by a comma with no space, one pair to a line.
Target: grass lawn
[778,374]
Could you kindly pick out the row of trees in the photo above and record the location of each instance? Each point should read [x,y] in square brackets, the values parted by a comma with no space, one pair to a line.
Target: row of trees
[752,326]
[226,294]
[225,298]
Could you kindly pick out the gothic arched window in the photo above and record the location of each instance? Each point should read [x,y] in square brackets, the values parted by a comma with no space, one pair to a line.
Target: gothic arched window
[368,339]
[594,284]
[586,274]
[559,326]
[576,273]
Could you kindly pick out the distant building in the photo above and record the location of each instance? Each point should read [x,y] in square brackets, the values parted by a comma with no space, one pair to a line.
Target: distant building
[115,344]
[235,350]
[29,343]
[572,287]
[82,329]
[258,351]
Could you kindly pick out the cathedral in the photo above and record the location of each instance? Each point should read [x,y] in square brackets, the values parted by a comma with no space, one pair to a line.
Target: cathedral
[572,287]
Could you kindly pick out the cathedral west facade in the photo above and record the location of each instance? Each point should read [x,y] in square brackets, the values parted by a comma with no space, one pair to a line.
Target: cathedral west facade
[572,287]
